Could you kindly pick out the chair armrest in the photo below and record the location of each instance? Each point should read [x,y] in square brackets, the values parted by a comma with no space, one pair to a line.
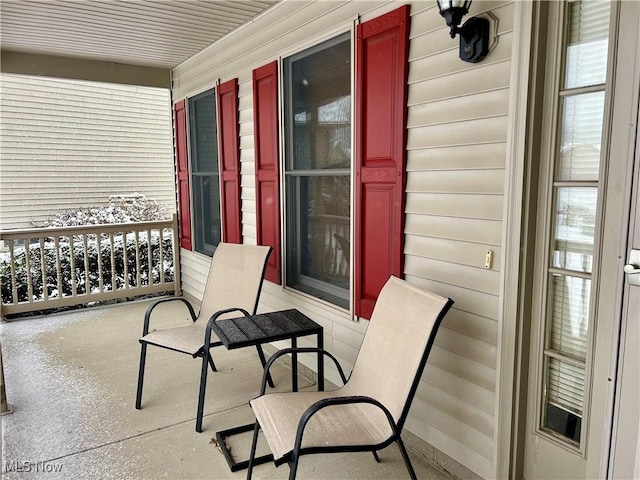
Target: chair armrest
[328,402]
[214,317]
[150,308]
[285,351]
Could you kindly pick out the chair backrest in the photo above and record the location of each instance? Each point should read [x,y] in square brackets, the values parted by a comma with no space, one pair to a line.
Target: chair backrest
[235,280]
[396,345]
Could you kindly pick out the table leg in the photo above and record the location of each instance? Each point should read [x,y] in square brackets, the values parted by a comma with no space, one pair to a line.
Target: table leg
[294,366]
[320,363]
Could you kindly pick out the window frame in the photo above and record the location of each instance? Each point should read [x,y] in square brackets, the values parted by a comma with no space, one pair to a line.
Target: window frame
[550,182]
[294,280]
[197,213]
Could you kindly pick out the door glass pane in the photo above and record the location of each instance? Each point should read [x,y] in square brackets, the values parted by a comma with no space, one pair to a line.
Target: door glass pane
[564,403]
[575,214]
[586,62]
[581,136]
[570,315]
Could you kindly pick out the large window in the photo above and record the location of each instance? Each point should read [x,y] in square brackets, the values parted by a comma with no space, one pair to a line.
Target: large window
[203,137]
[318,153]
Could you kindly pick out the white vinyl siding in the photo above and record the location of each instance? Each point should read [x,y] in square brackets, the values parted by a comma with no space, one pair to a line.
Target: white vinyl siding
[458,117]
[69,144]
[457,144]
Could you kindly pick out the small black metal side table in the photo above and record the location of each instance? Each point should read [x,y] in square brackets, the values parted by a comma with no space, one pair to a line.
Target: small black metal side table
[264,328]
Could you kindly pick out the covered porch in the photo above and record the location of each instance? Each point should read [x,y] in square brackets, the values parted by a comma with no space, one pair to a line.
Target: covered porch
[71,380]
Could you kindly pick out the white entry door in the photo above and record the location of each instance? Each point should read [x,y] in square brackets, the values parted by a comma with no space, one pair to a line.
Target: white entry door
[625,446]
[625,455]
[584,199]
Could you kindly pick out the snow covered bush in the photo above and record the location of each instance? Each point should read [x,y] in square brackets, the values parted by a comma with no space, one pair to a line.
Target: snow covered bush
[121,209]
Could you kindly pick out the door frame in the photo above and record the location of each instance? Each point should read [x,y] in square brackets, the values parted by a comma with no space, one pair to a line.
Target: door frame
[527,73]
[517,253]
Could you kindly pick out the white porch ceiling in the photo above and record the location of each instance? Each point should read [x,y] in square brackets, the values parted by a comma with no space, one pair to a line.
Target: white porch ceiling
[153,33]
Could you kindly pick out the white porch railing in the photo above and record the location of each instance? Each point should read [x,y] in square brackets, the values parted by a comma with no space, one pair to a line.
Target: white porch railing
[45,268]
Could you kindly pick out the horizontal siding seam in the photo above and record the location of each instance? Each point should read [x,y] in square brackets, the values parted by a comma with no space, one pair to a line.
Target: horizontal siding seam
[477,70]
[459,308]
[470,169]
[465,359]
[445,145]
[442,282]
[459,439]
[452,239]
[449,261]
[428,406]
[448,216]
[456,192]
[453,447]
[476,339]
[455,122]
[424,33]
[441,145]
[471,406]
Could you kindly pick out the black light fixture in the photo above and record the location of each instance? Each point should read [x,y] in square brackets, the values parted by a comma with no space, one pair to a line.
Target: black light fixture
[474,33]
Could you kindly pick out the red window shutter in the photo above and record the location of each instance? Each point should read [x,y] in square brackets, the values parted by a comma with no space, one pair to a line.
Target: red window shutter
[182,174]
[381,112]
[227,95]
[265,121]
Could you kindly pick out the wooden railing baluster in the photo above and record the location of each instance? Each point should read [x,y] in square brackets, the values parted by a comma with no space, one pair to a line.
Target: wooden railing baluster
[14,283]
[43,268]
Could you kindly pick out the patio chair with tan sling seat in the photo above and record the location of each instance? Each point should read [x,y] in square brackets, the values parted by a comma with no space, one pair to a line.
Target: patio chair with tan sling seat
[232,290]
[369,411]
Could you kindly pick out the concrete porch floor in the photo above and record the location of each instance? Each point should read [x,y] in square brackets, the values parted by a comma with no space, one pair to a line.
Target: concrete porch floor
[71,381]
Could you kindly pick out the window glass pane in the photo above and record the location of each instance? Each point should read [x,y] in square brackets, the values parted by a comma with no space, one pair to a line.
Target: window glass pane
[322,236]
[575,228]
[206,202]
[588,43]
[318,170]
[320,108]
[570,315]
[581,136]
[565,393]
[203,155]
[204,133]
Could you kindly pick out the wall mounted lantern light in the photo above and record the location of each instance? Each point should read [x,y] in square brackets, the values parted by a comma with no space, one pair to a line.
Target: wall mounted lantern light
[474,33]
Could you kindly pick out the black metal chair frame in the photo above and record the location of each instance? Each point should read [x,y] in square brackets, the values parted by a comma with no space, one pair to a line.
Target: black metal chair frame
[204,352]
[293,457]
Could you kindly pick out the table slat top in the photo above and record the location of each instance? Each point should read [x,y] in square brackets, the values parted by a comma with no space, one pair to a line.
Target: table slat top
[264,327]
